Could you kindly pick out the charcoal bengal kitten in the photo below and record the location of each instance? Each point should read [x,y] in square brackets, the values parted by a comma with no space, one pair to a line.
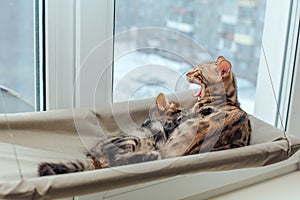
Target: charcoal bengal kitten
[127,149]
[220,123]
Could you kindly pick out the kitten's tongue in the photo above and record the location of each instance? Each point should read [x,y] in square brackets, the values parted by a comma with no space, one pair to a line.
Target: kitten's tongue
[198,94]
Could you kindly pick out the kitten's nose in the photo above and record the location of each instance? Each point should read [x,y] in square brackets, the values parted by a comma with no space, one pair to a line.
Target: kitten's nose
[190,76]
[190,73]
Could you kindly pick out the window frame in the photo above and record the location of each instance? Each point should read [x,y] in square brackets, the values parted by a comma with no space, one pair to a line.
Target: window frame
[68,42]
[279,54]
[93,81]
[39,54]
[293,108]
[59,41]
[64,37]
[290,94]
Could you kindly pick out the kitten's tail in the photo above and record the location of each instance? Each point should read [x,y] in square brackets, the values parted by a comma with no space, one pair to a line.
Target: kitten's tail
[46,168]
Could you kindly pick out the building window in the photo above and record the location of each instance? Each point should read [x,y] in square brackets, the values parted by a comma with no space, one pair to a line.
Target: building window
[19,56]
[156,62]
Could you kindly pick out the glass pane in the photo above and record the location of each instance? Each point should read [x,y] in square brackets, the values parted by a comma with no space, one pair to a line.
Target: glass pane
[17,56]
[155,40]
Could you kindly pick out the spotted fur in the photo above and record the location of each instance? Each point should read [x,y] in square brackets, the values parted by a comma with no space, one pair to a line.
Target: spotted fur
[220,123]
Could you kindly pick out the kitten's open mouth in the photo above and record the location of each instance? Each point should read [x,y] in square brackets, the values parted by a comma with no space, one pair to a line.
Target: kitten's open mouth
[195,87]
[198,94]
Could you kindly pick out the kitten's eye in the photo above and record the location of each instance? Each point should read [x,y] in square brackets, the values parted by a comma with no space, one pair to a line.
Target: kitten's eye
[176,112]
[146,123]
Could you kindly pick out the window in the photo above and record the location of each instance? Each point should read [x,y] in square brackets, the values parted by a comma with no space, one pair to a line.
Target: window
[19,56]
[156,60]
[80,45]
[70,40]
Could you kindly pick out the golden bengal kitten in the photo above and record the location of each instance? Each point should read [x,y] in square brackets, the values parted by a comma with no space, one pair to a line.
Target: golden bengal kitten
[220,123]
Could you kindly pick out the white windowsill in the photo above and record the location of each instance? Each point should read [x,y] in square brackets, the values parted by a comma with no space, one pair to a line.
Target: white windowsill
[282,187]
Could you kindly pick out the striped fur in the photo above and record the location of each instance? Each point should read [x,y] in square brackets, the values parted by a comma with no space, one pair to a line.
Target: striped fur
[126,148]
[220,123]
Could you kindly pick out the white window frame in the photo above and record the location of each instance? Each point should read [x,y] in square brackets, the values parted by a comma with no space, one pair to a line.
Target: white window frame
[71,81]
[60,54]
[94,37]
[285,80]
[271,56]
[291,97]
[68,41]
[293,113]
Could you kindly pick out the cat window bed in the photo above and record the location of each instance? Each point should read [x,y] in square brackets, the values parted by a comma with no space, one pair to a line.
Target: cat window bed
[30,138]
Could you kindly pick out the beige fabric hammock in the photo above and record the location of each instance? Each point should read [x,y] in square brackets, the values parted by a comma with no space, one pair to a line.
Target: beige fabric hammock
[29,138]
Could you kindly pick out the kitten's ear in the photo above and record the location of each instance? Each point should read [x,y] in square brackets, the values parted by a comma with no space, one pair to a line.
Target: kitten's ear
[224,68]
[162,102]
[219,59]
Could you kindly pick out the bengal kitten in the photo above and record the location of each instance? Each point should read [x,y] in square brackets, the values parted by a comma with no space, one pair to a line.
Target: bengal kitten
[220,123]
[125,149]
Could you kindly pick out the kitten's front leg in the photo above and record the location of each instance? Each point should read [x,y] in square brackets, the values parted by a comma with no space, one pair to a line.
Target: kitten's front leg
[125,142]
[137,157]
[184,138]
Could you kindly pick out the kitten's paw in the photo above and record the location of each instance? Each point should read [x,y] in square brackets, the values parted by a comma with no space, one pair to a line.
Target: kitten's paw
[45,169]
[133,158]
[145,157]
[153,155]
